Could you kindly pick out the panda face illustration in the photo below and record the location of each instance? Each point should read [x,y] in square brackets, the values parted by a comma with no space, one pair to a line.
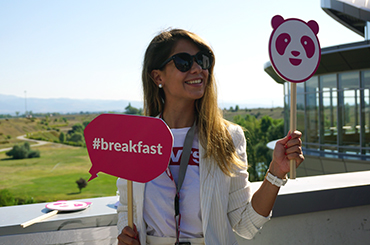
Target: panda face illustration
[294,48]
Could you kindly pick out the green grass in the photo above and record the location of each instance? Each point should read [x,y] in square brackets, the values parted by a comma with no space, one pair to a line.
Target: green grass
[53,176]
[52,136]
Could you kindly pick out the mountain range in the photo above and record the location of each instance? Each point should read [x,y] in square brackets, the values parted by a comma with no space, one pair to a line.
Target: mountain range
[10,104]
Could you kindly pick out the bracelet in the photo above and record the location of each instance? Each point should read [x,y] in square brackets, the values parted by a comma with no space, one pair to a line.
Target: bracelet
[275,180]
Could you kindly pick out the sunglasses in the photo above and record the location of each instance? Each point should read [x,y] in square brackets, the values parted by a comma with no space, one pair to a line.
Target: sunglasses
[184,61]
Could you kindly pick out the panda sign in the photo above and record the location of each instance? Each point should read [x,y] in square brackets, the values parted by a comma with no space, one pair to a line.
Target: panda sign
[294,48]
[295,54]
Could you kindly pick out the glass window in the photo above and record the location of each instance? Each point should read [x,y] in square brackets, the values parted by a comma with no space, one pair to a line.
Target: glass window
[286,88]
[312,117]
[286,113]
[367,117]
[300,88]
[329,116]
[301,115]
[349,80]
[328,82]
[312,85]
[351,118]
[366,78]
[366,109]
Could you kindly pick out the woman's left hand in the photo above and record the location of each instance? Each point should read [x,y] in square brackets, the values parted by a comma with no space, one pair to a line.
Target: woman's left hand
[286,149]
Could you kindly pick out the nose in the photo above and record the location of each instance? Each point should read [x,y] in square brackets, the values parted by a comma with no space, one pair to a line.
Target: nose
[196,67]
[295,53]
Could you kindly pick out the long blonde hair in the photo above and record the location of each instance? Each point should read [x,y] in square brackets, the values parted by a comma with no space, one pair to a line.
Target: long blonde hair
[212,127]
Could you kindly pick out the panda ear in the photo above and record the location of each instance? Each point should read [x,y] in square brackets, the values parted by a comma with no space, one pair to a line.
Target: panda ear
[276,21]
[314,26]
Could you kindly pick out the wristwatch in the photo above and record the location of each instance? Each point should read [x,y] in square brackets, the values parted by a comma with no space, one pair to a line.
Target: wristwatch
[275,180]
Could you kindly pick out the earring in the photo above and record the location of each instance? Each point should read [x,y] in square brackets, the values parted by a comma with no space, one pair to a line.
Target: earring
[160,85]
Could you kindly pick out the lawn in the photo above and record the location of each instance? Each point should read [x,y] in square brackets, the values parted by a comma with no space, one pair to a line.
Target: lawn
[53,176]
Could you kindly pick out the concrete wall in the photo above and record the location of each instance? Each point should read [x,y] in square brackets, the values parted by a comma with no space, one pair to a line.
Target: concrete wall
[339,226]
[326,209]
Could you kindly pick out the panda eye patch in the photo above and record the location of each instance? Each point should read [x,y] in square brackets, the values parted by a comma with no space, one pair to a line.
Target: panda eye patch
[308,46]
[282,42]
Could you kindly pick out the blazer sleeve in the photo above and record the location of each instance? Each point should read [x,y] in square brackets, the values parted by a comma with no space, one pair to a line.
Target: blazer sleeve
[122,205]
[244,220]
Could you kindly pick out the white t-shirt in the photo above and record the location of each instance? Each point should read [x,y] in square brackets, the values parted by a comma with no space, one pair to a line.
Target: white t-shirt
[159,195]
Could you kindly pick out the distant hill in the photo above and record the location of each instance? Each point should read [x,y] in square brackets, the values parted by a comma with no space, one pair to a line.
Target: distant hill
[9,104]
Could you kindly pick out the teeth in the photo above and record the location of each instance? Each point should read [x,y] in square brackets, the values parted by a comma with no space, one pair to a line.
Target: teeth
[194,82]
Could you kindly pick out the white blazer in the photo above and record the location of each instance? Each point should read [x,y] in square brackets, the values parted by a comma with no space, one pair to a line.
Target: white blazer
[225,201]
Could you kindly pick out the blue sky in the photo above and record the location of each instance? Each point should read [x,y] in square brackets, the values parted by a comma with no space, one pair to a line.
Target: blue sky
[94,49]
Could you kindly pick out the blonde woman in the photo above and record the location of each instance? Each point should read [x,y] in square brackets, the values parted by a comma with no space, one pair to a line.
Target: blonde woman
[210,198]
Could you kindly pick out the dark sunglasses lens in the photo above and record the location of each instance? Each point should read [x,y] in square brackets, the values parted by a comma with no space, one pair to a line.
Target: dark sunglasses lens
[204,60]
[183,61]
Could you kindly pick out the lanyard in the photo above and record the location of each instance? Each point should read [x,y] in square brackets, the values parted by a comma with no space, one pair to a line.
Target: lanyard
[188,143]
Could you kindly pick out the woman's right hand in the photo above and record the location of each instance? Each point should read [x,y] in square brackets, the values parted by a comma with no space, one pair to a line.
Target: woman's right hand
[129,236]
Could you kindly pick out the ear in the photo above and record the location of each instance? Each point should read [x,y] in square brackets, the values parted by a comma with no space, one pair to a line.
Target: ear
[157,77]
[314,26]
[276,21]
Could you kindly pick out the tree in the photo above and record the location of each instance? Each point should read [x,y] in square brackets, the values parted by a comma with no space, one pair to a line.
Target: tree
[62,137]
[131,110]
[77,128]
[266,122]
[81,183]
[85,123]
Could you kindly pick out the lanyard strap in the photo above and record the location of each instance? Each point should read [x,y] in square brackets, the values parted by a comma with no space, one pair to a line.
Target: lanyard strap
[188,143]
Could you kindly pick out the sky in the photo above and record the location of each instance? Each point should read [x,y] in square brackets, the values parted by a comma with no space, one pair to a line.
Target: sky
[87,49]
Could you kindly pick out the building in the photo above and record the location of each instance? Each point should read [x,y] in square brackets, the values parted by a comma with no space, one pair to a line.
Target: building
[333,106]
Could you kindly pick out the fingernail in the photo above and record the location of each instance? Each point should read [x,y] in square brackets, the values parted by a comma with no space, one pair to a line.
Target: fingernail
[286,146]
[285,153]
[289,137]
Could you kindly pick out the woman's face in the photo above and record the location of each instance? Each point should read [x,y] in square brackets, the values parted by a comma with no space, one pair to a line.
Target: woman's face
[183,86]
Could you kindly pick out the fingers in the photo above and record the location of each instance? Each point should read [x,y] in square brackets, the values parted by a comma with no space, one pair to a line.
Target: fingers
[293,139]
[289,137]
[293,147]
[128,236]
[294,152]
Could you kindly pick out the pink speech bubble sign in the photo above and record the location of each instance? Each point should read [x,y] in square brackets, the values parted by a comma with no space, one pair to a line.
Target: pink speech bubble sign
[294,48]
[135,148]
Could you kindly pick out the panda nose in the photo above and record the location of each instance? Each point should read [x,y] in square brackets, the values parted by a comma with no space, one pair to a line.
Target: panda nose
[295,53]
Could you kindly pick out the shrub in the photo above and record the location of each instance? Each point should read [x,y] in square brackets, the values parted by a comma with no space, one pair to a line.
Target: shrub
[6,198]
[23,151]
[33,154]
[18,152]
[77,137]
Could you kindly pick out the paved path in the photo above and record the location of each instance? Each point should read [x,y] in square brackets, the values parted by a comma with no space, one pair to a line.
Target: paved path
[23,137]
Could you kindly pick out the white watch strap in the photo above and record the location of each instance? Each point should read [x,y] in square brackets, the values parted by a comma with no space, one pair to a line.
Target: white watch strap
[275,180]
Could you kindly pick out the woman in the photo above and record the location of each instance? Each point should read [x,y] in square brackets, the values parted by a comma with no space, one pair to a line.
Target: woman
[215,199]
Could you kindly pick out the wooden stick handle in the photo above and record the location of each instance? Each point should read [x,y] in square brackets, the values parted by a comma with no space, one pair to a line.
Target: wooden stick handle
[130,205]
[42,217]
[293,124]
